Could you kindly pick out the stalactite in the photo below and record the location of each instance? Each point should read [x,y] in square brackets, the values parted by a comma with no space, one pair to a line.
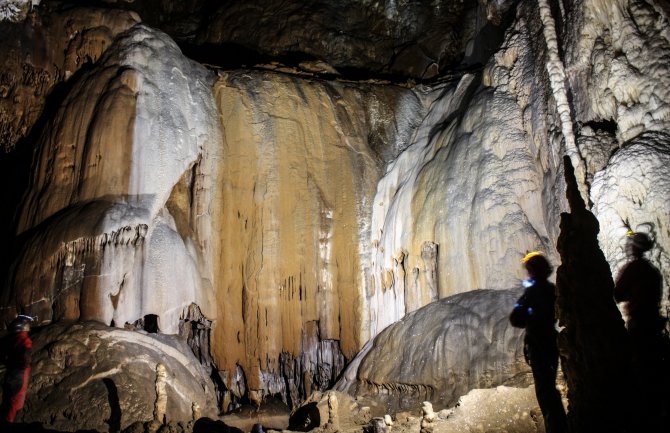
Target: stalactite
[556,71]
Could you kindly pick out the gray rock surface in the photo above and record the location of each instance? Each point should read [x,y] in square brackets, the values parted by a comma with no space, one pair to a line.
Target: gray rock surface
[89,376]
[438,353]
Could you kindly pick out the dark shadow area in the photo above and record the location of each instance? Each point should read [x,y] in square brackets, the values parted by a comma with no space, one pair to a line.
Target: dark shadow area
[208,425]
[488,41]
[229,55]
[305,419]
[114,420]
[605,125]
[34,428]
[595,352]
[16,170]
[151,323]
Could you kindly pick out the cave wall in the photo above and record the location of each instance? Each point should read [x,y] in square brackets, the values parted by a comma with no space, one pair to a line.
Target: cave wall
[305,212]
[299,164]
[96,235]
[616,57]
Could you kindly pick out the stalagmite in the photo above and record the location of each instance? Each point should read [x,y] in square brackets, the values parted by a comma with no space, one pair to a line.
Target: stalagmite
[196,412]
[333,408]
[160,406]
[593,343]
[428,419]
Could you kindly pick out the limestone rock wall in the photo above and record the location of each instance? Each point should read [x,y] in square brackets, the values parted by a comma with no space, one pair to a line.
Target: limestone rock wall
[44,49]
[300,163]
[617,58]
[98,239]
[475,190]
[365,37]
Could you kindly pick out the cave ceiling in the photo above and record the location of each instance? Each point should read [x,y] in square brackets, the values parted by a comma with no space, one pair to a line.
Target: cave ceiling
[352,37]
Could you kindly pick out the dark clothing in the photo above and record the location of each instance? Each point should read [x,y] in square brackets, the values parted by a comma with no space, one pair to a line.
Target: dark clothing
[639,285]
[535,310]
[16,349]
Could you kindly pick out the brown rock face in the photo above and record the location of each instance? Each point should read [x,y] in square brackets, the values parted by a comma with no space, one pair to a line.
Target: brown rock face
[42,51]
[382,37]
[297,172]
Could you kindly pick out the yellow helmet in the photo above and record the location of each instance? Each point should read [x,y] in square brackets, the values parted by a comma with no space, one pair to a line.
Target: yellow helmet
[530,256]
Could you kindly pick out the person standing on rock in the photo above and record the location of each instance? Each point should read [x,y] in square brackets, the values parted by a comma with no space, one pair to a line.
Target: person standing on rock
[639,288]
[16,351]
[535,311]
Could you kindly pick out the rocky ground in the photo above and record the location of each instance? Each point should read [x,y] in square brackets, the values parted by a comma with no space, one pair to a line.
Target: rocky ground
[498,410]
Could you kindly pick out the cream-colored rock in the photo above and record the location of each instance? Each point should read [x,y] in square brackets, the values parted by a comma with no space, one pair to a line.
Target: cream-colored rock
[160,405]
[501,409]
[464,202]
[102,243]
[438,353]
[299,171]
[632,193]
[619,63]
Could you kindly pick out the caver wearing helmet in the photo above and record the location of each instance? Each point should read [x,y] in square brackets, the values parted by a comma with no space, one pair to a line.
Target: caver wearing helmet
[638,243]
[534,311]
[21,323]
[16,348]
[639,287]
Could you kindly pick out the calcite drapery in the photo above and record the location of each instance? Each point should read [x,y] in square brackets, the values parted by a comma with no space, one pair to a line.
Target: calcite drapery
[98,240]
[298,177]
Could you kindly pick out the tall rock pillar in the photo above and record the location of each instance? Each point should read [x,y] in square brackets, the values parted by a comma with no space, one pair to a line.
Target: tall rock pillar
[593,345]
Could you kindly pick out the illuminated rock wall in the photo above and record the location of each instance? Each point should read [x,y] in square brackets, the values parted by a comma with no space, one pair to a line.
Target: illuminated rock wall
[618,60]
[98,237]
[304,214]
[299,170]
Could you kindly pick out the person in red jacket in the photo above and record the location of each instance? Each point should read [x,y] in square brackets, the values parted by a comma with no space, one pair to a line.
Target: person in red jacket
[16,353]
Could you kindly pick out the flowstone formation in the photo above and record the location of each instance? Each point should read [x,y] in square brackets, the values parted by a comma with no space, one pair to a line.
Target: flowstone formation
[279,196]
[95,225]
[299,170]
[617,60]
[438,353]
